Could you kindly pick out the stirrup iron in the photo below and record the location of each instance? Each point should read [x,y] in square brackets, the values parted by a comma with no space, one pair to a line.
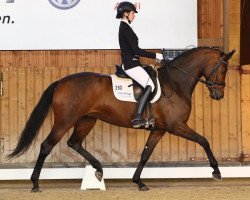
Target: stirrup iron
[150,123]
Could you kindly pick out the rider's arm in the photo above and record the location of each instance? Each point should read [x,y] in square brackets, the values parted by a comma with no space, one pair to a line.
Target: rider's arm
[133,43]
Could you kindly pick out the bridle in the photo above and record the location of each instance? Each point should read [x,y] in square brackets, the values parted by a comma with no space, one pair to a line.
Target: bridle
[212,83]
[209,83]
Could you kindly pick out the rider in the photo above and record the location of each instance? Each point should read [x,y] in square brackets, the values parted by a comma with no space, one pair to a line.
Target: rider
[130,53]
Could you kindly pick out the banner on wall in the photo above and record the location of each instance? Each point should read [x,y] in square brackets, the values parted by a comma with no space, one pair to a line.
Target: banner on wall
[91,24]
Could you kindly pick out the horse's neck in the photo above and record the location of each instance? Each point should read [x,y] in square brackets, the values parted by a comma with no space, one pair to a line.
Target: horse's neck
[183,83]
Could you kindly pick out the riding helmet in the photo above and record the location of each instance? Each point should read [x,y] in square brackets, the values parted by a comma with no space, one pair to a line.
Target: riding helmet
[123,7]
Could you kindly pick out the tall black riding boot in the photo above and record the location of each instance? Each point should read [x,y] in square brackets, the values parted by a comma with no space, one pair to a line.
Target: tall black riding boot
[138,121]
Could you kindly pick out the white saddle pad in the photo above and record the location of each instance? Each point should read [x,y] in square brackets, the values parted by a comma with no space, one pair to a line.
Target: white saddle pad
[123,92]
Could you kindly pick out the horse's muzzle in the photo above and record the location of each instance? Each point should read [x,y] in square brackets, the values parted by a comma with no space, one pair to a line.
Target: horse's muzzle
[216,94]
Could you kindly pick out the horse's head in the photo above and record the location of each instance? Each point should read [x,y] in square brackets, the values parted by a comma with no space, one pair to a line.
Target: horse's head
[215,74]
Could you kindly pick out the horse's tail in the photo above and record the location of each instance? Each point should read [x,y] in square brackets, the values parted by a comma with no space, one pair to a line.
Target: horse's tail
[34,123]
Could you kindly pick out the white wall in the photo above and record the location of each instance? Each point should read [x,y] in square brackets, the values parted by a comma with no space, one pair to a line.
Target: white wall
[91,24]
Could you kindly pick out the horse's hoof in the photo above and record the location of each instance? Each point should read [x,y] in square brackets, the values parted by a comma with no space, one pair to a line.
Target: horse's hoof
[35,190]
[144,188]
[217,177]
[98,175]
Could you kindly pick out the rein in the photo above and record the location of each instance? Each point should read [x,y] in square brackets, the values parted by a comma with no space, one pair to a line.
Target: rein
[209,84]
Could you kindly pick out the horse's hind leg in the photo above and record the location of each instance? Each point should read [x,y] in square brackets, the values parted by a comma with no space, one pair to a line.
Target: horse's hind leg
[56,134]
[81,130]
[184,131]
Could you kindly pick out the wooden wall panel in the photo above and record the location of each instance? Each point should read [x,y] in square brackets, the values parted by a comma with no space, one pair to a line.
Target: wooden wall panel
[5,115]
[234,30]
[111,143]
[210,18]
[1,138]
[245,103]
[210,22]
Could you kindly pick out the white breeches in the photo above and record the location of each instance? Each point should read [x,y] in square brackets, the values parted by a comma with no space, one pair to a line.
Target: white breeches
[140,76]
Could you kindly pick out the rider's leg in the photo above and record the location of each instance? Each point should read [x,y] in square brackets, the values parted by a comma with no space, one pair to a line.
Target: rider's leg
[142,77]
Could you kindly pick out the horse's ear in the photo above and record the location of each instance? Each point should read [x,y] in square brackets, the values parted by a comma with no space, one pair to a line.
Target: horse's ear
[229,55]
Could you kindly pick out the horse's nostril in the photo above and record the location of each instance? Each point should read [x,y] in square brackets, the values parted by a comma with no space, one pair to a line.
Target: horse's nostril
[216,96]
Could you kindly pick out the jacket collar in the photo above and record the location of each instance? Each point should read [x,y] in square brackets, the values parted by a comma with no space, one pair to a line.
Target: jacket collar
[126,21]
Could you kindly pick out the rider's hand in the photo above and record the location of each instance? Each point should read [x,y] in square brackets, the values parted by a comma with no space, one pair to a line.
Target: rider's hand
[159,57]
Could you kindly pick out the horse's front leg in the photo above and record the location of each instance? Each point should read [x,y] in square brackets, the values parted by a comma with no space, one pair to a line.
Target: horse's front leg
[153,139]
[184,131]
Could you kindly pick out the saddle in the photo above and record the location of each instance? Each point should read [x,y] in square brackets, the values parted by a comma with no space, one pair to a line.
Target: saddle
[138,89]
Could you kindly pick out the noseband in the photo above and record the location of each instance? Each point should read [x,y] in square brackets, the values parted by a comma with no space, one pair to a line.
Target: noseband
[212,83]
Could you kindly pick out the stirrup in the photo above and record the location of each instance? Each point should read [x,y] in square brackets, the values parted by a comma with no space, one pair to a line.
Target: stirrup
[150,124]
[138,122]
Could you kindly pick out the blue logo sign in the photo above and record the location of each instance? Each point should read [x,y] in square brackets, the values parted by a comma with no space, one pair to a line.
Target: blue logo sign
[64,4]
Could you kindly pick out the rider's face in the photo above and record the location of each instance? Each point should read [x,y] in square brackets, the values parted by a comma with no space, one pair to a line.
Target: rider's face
[130,15]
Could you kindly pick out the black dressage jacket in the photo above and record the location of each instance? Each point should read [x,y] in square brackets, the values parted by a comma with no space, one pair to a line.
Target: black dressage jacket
[130,50]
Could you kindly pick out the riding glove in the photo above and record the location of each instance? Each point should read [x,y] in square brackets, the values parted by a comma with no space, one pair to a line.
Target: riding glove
[159,57]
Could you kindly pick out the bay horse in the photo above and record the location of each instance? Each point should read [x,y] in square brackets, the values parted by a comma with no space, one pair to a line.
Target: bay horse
[80,99]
